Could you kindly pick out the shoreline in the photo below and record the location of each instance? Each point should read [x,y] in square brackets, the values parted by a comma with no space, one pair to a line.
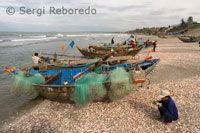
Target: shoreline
[178,71]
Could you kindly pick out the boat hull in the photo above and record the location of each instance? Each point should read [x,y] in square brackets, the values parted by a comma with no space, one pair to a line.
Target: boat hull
[188,40]
[63,92]
[102,54]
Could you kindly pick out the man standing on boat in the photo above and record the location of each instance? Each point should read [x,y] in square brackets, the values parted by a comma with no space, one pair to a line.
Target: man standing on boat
[112,41]
[132,43]
[35,61]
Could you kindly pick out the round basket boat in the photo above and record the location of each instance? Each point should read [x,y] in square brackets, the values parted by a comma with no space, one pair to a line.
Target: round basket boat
[61,92]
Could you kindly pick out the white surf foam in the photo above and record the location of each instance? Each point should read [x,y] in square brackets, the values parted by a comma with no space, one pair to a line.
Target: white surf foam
[42,36]
[89,35]
[33,39]
[14,45]
[59,35]
[75,35]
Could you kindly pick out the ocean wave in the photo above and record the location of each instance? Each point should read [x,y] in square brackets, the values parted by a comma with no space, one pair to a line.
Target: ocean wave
[33,39]
[123,35]
[16,45]
[75,35]
[42,36]
[105,34]
[59,35]
[89,35]
[5,40]
[11,46]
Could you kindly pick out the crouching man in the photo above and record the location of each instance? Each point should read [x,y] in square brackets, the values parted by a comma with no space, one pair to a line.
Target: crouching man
[167,107]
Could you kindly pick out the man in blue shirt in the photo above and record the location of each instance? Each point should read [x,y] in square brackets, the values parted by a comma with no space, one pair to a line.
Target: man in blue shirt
[167,107]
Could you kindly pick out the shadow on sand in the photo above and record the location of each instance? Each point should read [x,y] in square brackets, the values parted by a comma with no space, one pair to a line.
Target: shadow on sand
[148,111]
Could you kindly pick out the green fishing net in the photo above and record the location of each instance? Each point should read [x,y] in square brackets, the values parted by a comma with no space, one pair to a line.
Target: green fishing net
[22,85]
[89,88]
[121,84]
[97,70]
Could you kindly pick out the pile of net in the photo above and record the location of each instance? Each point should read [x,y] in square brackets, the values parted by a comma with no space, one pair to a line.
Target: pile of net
[22,85]
[89,88]
[121,84]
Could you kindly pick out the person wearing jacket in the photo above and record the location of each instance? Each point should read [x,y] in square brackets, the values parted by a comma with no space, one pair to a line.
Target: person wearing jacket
[167,107]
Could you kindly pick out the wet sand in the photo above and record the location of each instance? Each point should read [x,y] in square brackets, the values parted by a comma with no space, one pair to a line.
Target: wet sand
[178,71]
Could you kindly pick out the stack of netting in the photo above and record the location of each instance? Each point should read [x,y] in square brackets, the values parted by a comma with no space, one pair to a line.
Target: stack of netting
[89,88]
[22,85]
[121,84]
[97,70]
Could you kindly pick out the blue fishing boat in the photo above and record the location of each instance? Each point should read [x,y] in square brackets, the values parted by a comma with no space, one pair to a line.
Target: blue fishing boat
[59,84]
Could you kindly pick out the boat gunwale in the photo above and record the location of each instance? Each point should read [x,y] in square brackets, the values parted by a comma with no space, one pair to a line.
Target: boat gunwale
[73,85]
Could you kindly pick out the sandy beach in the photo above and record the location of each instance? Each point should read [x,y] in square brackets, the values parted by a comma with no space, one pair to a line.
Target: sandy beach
[178,72]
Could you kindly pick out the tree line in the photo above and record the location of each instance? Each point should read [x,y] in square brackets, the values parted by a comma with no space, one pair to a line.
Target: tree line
[182,27]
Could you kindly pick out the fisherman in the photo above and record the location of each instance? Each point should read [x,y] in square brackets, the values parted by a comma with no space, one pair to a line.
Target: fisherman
[127,41]
[132,36]
[91,49]
[113,52]
[136,43]
[191,38]
[147,43]
[35,61]
[132,43]
[199,43]
[167,107]
[112,41]
[154,46]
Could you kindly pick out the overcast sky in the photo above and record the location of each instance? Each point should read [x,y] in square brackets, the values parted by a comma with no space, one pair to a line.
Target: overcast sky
[112,15]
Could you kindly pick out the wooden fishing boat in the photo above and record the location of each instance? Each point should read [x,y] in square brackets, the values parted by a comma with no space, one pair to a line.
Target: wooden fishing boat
[63,92]
[162,36]
[188,39]
[93,54]
[56,88]
[48,64]
[108,48]
[52,64]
